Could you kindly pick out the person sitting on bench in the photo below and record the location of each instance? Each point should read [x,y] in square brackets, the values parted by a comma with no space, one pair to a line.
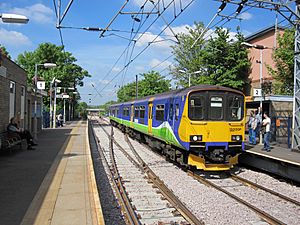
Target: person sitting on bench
[24,134]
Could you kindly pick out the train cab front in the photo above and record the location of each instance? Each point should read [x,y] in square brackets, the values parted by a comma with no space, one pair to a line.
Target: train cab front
[216,129]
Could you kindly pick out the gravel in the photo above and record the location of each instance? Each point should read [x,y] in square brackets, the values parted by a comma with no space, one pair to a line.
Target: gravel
[110,207]
[214,207]
[149,204]
[206,203]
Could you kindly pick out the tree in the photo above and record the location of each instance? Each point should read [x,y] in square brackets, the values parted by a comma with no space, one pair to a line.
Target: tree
[226,60]
[283,56]
[67,70]
[187,58]
[219,60]
[3,51]
[152,83]
[81,109]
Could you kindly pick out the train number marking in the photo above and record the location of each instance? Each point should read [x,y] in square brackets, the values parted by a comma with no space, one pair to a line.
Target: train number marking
[235,129]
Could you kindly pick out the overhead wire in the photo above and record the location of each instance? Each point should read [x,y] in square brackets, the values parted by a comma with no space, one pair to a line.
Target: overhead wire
[136,56]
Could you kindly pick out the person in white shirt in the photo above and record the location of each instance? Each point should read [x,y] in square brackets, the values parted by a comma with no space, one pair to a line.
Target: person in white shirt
[267,124]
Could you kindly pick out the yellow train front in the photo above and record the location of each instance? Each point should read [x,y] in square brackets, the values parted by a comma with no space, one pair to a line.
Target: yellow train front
[212,127]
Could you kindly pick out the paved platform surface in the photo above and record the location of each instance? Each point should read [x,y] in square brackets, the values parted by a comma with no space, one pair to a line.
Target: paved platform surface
[53,184]
[276,153]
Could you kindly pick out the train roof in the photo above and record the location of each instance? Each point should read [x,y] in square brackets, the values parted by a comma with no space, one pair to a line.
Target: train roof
[180,92]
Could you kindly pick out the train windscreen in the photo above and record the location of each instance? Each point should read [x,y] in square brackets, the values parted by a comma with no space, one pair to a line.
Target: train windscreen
[216,105]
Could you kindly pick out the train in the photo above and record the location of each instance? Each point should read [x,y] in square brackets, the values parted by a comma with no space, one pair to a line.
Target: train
[200,126]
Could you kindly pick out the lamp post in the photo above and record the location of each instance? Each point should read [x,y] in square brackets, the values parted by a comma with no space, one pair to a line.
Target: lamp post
[189,74]
[46,65]
[260,48]
[13,18]
[68,88]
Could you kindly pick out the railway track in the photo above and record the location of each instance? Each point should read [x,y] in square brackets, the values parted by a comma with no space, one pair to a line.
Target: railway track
[134,212]
[257,186]
[266,215]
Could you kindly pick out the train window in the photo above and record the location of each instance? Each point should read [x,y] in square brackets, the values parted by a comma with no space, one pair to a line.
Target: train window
[196,107]
[216,108]
[235,105]
[136,112]
[160,113]
[171,112]
[142,112]
[176,111]
[126,111]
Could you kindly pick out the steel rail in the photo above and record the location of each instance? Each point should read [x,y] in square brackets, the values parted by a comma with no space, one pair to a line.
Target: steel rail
[248,182]
[176,203]
[180,207]
[116,180]
[267,217]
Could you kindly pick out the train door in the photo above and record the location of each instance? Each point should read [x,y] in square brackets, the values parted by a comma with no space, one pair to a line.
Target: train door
[171,120]
[131,115]
[150,108]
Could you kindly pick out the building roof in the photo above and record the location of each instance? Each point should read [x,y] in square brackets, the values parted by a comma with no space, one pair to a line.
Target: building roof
[263,32]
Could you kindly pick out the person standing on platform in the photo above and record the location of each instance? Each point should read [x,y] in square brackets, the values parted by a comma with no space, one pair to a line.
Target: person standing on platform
[267,135]
[252,127]
[258,118]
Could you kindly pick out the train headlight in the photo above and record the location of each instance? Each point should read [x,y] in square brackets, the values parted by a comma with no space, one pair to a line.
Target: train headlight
[196,138]
[236,137]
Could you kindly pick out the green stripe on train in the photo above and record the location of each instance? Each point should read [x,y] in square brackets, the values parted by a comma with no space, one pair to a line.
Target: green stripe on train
[163,132]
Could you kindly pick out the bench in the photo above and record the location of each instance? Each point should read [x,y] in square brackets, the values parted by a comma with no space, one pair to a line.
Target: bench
[9,140]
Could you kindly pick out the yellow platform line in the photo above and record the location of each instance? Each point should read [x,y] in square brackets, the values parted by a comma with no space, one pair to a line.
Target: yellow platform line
[95,204]
[42,207]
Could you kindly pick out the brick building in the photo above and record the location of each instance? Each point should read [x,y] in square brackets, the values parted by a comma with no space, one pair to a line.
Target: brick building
[13,85]
[16,98]
[279,107]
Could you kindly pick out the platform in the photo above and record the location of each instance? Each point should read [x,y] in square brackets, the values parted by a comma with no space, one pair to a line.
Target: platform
[53,184]
[281,161]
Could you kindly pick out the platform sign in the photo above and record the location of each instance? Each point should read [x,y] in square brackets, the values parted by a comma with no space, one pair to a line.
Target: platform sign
[256,92]
[41,85]
[65,96]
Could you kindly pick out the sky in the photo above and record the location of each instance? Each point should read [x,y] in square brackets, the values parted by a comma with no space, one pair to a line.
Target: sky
[99,56]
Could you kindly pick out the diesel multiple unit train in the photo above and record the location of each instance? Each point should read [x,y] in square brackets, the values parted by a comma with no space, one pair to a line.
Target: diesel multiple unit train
[201,126]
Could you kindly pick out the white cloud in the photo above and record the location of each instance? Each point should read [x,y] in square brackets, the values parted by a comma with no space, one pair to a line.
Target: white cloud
[148,38]
[159,64]
[245,16]
[178,29]
[104,81]
[116,69]
[139,68]
[38,13]
[13,38]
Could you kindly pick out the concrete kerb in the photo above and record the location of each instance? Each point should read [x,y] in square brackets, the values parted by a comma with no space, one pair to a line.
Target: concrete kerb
[95,204]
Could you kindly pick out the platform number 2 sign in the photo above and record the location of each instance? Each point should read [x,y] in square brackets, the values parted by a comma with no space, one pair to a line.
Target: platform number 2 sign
[256,92]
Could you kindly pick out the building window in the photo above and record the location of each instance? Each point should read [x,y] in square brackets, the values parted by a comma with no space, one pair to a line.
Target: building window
[12,87]
[160,112]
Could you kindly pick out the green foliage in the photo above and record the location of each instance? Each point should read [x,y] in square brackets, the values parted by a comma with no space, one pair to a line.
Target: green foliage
[106,106]
[4,51]
[81,109]
[67,70]
[152,83]
[283,56]
[188,59]
[220,60]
